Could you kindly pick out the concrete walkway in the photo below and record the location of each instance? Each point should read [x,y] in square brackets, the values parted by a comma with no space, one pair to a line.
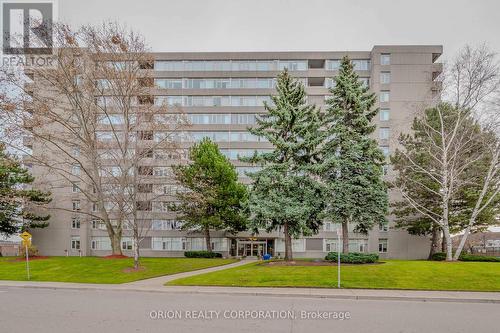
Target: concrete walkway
[161,280]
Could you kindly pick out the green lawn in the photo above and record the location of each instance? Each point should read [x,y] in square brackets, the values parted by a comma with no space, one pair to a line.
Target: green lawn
[100,270]
[394,274]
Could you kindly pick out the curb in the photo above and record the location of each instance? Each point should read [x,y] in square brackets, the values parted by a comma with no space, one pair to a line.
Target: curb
[268,294]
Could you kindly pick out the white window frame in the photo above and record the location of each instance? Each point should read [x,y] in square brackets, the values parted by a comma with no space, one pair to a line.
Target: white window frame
[384,133]
[75,223]
[75,205]
[385,96]
[381,247]
[75,243]
[385,77]
[385,59]
[385,114]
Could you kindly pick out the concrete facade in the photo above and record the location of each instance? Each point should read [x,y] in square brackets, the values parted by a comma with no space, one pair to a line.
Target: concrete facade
[222,93]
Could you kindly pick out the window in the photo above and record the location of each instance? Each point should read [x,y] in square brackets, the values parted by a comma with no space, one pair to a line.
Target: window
[382,245]
[167,243]
[161,206]
[126,243]
[75,188]
[76,151]
[244,171]
[145,188]
[298,245]
[293,65]
[361,64]
[384,114]
[75,223]
[75,242]
[143,205]
[383,227]
[365,81]
[384,96]
[104,136]
[384,133]
[168,83]
[100,243]
[331,245]
[355,245]
[166,225]
[385,77]
[76,205]
[385,170]
[330,83]
[330,226]
[98,224]
[332,65]
[75,170]
[162,171]
[112,119]
[385,59]
[385,150]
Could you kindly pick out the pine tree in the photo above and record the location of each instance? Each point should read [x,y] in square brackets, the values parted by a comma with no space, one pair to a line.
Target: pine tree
[214,198]
[16,202]
[283,194]
[351,164]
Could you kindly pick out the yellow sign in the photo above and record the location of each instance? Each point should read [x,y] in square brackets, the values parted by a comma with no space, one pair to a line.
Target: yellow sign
[26,236]
[26,243]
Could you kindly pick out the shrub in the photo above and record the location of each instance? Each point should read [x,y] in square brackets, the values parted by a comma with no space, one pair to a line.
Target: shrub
[470,257]
[438,256]
[32,251]
[353,257]
[202,254]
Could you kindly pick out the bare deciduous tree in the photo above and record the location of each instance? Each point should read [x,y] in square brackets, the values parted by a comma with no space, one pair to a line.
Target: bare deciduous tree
[95,124]
[453,138]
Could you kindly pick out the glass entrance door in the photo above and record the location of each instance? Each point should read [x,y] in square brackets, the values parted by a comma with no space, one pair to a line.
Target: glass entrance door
[251,248]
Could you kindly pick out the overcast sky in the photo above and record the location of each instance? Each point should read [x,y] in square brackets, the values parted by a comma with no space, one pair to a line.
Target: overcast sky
[285,25]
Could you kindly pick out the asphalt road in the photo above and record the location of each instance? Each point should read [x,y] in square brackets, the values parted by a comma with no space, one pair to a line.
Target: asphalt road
[45,310]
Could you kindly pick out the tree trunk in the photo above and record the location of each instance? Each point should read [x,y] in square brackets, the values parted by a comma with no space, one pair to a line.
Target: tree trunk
[288,243]
[443,242]
[208,240]
[345,236]
[447,236]
[115,244]
[434,241]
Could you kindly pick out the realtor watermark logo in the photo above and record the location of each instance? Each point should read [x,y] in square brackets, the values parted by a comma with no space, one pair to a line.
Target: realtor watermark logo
[27,32]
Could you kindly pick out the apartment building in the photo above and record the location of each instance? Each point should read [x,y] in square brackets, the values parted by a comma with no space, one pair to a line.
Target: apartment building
[221,94]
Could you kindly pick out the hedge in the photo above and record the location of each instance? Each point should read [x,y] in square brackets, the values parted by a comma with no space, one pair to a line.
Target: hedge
[353,257]
[202,254]
[469,257]
[440,256]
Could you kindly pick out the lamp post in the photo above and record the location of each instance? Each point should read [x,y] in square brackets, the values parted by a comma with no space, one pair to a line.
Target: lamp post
[338,258]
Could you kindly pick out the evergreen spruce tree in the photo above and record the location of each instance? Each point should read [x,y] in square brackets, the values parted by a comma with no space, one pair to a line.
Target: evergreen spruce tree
[214,199]
[351,164]
[17,203]
[283,194]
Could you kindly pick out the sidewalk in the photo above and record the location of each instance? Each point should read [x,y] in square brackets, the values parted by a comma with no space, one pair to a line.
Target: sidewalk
[348,294]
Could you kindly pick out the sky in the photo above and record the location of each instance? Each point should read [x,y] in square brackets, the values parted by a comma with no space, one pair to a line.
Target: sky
[296,25]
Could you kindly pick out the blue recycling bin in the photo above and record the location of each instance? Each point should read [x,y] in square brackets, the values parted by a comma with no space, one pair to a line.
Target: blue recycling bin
[266,256]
